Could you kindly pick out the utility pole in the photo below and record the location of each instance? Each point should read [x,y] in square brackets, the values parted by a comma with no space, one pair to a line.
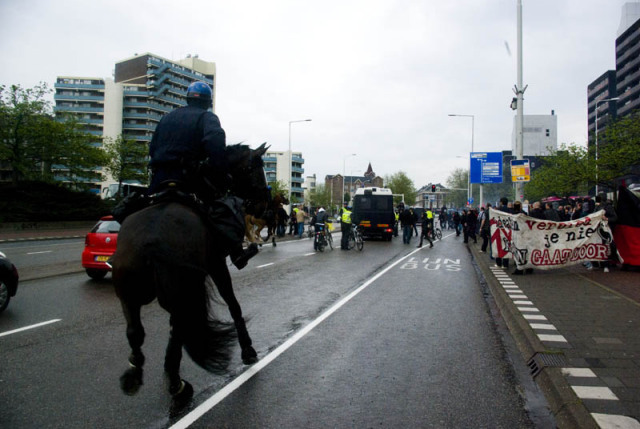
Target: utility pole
[519,90]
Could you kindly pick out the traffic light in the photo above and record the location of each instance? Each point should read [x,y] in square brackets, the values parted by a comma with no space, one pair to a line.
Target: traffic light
[433,188]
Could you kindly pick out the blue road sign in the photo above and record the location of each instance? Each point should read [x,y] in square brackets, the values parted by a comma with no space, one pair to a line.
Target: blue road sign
[486,167]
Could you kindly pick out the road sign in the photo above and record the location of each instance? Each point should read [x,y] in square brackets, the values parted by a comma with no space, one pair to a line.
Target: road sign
[486,167]
[471,200]
[520,170]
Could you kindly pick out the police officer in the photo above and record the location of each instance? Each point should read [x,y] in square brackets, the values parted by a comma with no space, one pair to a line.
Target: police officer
[427,227]
[182,140]
[345,226]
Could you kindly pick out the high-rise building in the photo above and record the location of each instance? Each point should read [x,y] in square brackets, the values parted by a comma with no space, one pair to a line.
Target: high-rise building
[628,70]
[539,134]
[282,166]
[603,88]
[144,88]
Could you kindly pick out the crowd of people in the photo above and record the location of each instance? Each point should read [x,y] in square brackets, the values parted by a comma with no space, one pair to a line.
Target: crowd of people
[471,222]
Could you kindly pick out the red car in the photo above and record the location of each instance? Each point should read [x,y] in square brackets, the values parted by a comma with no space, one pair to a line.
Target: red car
[99,245]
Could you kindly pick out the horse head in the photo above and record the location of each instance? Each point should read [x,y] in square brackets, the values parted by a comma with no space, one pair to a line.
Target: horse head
[246,167]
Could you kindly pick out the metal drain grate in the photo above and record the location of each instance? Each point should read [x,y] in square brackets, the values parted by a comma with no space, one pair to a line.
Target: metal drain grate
[540,360]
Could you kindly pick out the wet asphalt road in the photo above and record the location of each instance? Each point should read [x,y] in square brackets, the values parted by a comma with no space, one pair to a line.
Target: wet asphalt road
[409,342]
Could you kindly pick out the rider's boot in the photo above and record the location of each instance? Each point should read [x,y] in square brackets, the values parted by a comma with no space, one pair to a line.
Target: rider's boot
[240,257]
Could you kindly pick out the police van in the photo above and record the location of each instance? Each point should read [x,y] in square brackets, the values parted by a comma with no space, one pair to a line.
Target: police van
[373,211]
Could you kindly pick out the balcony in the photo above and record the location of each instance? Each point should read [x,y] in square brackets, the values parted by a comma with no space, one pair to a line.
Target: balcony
[76,97]
[78,109]
[297,159]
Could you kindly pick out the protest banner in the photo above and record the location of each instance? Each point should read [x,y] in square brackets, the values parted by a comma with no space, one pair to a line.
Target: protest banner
[544,244]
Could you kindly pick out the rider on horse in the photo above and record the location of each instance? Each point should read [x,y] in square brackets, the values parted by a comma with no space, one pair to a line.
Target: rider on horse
[182,141]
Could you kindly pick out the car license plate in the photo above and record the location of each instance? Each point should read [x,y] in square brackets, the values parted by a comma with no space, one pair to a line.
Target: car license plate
[102,258]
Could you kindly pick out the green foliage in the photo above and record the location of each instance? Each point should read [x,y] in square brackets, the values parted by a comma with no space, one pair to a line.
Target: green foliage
[279,187]
[564,173]
[125,160]
[400,183]
[320,196]
[618,151]
[48,202]
[35,146]
[458,179]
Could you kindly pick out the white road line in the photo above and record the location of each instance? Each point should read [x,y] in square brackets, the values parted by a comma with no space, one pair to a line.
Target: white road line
[611,421]
[578,372]
[37,325]
[528,309]
[543,326]
[199,411]
[592,392]
[534,317]
[552,338]
[309,254]
[265,265]
[37,253]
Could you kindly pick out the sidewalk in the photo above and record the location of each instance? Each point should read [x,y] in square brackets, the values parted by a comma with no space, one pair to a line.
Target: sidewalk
[579,332]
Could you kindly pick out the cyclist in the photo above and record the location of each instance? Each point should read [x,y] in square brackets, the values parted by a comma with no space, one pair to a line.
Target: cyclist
[345,226]
[321,219]
[427,227]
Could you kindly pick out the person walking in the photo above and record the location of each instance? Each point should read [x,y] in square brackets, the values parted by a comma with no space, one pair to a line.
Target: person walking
[408,221]
[456,222]
[281,221]
[504,207]
[345,227]
[301,215]
[485,229]
[550,213]
[427,227]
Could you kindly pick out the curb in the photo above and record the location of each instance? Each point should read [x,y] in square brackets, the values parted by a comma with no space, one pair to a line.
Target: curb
[564,404]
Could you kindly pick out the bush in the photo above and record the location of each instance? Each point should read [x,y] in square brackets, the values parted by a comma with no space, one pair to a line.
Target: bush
[48,202]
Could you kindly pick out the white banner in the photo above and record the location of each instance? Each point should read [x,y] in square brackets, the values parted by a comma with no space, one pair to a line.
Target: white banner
[545,244]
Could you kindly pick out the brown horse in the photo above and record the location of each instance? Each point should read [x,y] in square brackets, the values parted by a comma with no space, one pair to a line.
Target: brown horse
[255,223]
[167,251]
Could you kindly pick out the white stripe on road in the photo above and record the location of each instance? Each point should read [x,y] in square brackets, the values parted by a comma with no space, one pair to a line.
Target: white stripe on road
[203,408]
[265,265]
[37,253]
[37,325]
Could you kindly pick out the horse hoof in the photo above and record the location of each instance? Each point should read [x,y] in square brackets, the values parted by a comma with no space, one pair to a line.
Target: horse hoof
[249,356]
[131,380]
[182,398]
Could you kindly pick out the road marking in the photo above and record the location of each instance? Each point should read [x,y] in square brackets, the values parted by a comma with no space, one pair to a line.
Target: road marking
[552,338]
[309,254]
[265,265]
[578,372]
[592,392]
[37,253]
[203,408]
[37,325]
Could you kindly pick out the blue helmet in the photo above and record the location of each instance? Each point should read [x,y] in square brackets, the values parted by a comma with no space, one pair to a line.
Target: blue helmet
[200,91]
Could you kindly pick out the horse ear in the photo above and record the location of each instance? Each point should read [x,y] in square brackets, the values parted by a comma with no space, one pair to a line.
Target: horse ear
[262,149]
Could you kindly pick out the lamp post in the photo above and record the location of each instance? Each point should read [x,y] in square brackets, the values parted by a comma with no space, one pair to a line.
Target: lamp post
[344,173]
[598,102]
[291,155]
[469,189]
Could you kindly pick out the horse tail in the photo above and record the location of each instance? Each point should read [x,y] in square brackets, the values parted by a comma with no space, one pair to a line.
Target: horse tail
[187,294]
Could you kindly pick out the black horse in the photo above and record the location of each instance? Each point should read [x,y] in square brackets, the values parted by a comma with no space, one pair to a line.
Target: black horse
[166,251]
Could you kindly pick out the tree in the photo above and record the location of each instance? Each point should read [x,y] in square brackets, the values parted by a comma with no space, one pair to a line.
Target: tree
[563,173]
[399,183]
[126,160]
[457,180]
[21,114]
[279,187]
[35,145]
[618,151]
[320,196]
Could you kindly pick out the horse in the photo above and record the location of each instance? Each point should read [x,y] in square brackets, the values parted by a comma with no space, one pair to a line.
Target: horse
[255,223]
[167,251]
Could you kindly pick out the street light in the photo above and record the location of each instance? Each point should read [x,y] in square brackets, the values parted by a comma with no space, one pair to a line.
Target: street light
[291,155]
[344,173]
[469,189]
[598,102]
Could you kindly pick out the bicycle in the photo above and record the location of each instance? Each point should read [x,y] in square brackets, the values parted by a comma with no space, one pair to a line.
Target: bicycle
[323,238]
[436,233]
[355,238]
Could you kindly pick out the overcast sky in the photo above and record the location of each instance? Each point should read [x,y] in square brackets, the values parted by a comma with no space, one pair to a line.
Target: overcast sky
[377,77]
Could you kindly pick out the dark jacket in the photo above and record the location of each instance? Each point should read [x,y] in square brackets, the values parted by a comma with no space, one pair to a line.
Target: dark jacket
[537,213]
[551,214]
[407,218]
[184,137]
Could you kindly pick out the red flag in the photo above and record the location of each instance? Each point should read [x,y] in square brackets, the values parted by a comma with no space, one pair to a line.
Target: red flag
[626,232]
